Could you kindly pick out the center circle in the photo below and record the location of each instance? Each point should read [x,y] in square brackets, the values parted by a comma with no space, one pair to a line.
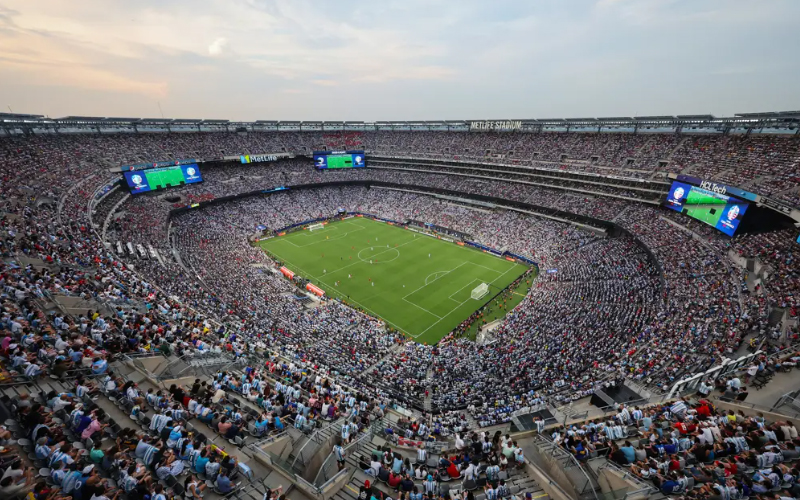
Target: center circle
[382,254]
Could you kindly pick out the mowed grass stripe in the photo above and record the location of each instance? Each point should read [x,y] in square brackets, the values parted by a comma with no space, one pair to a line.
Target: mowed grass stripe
[424,296]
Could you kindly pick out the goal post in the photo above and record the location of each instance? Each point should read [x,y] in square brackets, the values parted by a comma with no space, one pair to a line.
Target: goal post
[313,227]
[480,291]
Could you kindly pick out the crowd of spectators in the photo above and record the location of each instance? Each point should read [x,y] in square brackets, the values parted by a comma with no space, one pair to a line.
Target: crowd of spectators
[691,449]
[655,307]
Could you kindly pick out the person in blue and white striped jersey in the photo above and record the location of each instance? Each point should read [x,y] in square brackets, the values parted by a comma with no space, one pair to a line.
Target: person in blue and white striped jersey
[338,450]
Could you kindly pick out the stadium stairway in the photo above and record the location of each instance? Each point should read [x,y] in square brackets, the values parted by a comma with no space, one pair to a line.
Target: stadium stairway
[394,349]
[517,480]
[308,446]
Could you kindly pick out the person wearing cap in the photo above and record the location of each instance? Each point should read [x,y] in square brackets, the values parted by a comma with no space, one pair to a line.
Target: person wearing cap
[365,491]
[430,485]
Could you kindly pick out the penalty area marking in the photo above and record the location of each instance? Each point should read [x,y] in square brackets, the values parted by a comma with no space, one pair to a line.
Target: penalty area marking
[436,276]
[337,236]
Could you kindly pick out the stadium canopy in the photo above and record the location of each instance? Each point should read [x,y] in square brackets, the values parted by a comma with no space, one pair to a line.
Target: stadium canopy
[788,120]
[664,118]
[92,119]
[618,119]
[697,118]
[776,114]
[20,116]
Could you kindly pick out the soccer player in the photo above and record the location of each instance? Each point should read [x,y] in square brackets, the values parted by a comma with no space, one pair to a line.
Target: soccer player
[429,256]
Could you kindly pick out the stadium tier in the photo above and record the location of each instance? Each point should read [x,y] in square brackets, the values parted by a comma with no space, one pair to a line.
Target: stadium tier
[587,274]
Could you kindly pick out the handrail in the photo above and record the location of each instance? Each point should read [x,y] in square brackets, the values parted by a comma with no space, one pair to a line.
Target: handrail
[793,399]
[269,439]
[759,407]
[628,475]
[433,446]
[353,447]
[314,437]
[569,457]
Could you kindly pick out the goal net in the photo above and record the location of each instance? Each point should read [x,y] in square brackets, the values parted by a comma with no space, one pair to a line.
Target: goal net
[312,227]
[480,291]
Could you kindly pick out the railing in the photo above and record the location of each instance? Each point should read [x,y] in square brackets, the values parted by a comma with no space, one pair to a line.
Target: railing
[643,486]
[137,364]
[270,439]
[791,414]
[791,399]
[312,489]
[276,461]
[318,437]
[727,367]
[436,447]
[326,474]
[562,467]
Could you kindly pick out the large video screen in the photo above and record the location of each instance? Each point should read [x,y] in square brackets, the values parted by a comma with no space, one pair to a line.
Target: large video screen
[143,181]
[325,160]
[715,209]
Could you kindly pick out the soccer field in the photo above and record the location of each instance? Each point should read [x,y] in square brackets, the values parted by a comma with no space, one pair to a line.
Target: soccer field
[417,284]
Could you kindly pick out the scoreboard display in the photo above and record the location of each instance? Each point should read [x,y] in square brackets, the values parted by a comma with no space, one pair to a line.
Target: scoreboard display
[328,160]
[715,209]
[143,181]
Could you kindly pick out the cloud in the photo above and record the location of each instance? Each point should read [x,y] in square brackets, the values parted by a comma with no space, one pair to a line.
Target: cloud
[217,46]
[325,82]
[398,59]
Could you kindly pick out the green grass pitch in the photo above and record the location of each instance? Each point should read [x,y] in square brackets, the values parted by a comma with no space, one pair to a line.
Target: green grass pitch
[703,213]
[417,284]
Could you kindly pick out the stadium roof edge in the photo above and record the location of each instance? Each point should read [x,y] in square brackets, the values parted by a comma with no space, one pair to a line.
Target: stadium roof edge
[81,119]
[778,119]
[21,116]
[654,118]
[697,117]
[615,119]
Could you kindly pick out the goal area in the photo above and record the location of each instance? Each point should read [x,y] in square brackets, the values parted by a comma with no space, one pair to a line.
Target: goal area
[313,227]
[480,291]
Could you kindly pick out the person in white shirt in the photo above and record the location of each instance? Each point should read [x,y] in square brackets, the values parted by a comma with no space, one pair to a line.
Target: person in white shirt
[471,471]
[752,370]
[459,443]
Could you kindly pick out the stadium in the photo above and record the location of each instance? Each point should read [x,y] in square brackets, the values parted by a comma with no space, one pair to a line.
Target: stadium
[460,276]
[317,296]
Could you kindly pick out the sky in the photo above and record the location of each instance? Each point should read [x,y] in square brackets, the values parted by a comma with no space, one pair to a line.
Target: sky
[398,59]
